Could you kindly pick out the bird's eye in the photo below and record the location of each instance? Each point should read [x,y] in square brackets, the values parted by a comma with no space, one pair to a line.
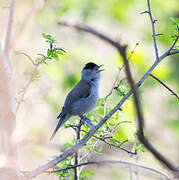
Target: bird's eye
[92,79]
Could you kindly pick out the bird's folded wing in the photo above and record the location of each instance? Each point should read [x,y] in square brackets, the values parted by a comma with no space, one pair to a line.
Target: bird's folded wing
[81,90]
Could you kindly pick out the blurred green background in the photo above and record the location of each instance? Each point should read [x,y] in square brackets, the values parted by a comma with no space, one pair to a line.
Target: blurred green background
[121,20]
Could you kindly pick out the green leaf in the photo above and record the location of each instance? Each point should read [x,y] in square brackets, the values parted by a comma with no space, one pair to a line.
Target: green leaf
[49,53]
[47,36]
[100,102]
[140,147]
[89,173]
[98,149]
[112,140]
[60,52]
[55,56]
[175,21]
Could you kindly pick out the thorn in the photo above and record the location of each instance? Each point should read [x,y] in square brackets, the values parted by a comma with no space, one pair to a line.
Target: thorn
[157,34]
[144,12]
[155,20]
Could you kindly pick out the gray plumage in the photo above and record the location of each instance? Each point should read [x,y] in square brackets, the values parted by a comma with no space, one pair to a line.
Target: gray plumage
[83,97]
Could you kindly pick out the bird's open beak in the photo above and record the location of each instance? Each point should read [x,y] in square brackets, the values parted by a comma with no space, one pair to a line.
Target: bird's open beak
[99,70]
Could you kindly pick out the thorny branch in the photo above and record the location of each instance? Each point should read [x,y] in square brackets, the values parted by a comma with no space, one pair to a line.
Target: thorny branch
[141,136]
[36,66]
[163,84]
[21,99]
[153,30]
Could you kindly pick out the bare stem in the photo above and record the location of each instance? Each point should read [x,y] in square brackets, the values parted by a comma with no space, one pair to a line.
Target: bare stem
[153,30]
[25,89]
[163,84]
[30,59]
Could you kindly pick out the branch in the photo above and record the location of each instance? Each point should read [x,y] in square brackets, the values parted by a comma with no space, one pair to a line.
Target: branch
[117,76]
[153,30]
[163,84]
[25,89]
[111,144]
[174,52]
[90,30]
[141,136]
[9,28]
[92,131]
[121,122]
[109,162]
[76,173]
[30,59]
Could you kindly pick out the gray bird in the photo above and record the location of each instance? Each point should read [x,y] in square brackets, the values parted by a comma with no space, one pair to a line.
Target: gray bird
[83,97]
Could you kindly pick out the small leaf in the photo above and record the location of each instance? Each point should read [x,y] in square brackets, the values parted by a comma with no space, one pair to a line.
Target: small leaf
[47,36]
[55,56]
[175,21]
[60,52]
[49,53]
[98,149]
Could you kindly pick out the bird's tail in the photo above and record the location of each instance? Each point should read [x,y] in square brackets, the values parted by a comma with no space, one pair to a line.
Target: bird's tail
[62,120]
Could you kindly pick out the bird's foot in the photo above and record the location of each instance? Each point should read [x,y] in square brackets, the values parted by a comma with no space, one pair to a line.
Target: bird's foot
[86,121]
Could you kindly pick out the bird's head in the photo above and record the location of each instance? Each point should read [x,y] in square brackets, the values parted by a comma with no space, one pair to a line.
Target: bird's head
[91,72]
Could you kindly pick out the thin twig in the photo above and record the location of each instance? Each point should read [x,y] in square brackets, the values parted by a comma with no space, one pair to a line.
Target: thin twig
[111,144]
[36,65]
[160,34]
[25,89]
[9,28]
[114,84]
[109,162]
[117,89]
[153,30]
[163,84]
[144,12]
[119,70]
[30,59]
[119,123]
[108,143]
[174,52]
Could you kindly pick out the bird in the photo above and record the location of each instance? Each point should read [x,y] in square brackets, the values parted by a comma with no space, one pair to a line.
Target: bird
[83,97]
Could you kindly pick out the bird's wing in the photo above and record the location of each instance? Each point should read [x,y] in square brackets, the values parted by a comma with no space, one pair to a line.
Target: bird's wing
[81,90]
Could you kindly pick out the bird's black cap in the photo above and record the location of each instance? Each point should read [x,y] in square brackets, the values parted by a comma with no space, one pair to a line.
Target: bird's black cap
[90,65]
